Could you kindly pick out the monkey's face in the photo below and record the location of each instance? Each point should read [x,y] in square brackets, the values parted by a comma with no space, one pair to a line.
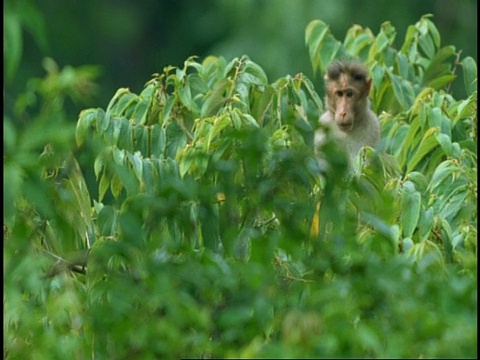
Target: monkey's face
[345,100]
[346,97]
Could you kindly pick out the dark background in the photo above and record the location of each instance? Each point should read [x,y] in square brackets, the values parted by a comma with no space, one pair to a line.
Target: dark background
[131,40]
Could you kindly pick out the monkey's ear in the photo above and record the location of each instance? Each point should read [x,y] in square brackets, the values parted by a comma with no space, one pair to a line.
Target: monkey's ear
[368,85]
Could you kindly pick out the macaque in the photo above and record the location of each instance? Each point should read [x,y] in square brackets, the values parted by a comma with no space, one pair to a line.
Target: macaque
[347,107]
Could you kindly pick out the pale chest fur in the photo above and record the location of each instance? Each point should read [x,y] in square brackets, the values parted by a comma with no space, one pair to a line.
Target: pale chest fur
[365,133]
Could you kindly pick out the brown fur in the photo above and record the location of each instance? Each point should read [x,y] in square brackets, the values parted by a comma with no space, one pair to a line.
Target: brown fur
[347,87]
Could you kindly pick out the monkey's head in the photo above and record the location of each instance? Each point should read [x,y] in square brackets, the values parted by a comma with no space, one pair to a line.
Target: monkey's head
[347,87]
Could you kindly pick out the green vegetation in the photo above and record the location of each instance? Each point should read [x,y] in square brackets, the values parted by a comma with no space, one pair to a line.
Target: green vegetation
[201,239]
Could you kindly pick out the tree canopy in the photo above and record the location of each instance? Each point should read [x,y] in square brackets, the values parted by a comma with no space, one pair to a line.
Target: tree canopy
[214,230]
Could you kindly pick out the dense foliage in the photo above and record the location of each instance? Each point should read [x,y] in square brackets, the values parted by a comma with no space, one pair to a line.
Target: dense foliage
[215,231]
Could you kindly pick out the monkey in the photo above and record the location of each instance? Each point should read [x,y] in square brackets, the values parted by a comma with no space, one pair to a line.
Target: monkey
[348,113]
[347,87]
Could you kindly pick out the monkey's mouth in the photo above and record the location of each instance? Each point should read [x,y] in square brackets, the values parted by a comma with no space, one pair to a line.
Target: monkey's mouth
[345,127]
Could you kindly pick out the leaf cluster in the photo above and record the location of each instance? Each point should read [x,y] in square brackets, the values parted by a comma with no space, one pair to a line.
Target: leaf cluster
[216,231]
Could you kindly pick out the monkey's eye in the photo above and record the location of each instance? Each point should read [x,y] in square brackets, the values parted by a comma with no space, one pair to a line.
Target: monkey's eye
[349,93]
[339,93]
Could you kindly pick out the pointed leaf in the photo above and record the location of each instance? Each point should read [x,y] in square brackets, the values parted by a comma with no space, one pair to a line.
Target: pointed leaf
[137,164]
[107,221]
[139,115]
[446,144]
[158,137]
[403,91]
[86,120]
[219,124]
[429,142]
[469,67]
[149,178]
[125,137]
[215,98]
[124,104]
[103,186]
[116,186]
[411,203]
[315,34]
[425,223]
[259,76]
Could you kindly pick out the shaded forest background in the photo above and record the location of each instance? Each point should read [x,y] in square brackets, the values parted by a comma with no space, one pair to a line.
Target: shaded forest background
[117,203]
[131,40]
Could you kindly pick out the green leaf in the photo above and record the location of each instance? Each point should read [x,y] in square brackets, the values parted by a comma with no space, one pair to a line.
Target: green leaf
[428,143]
[107,221]
[12,189]
[385,37]
[164,116]
[331,47]
[116,186]
[142,141]
[410,141]
[427,254]
[98,166]
[469,67]
[139,115]
[149,178]
[437,119]
[125,103]
[409,44]
[440,82]
[185,158]
[103,158]
[220,123]
[396,142]
[381,42]
[115,99]
[419,180]
[454,205]
[208,218]
[467,108]
[446,143]
[358,39]
[112,133]
[125,137]
[426,44]
[118,156]
[13,42]
[437,66]
[407,245]
[425,223]
[201,161]
[383,228]
[197,83]
[137,164]
[315,34]
[85,122]
[215,98]
[311,91]
[447,238]
[433,32]
[405,69]
[103,185]
[411,203]
[403,91]
[158,136]
[258,75]
[249,120]
[185,96]
[103,123]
